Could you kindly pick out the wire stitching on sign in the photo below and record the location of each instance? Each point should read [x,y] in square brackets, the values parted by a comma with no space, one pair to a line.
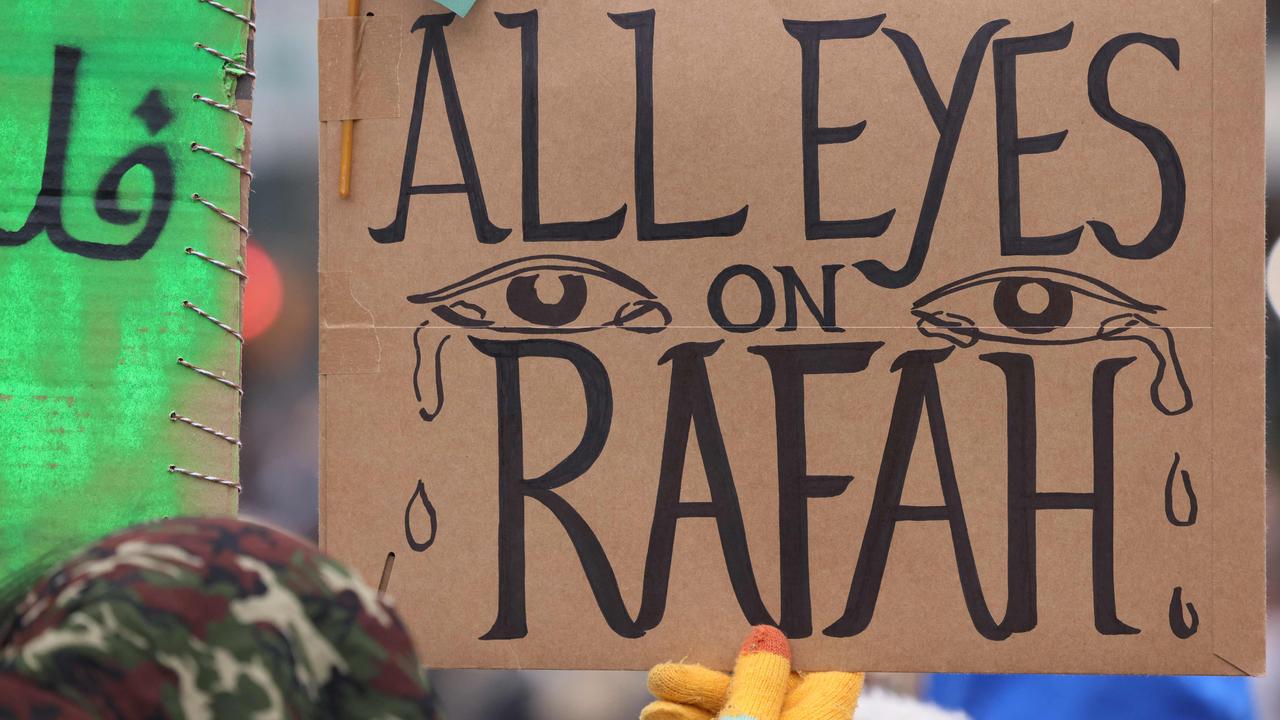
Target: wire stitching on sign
[175,417]
[223,107]
[227,328]
[242,18]
[232,64]
[206,478]
[238,69]
[229,268]
[197,147]
[197,197]
[211,375]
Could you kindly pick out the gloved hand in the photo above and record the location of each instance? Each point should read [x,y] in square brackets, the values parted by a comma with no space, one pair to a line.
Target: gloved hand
[762,687]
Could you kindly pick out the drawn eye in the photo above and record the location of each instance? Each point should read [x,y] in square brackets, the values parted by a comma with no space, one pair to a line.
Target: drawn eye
[537,295]
[548,294]
[1042,306]
[1024,305]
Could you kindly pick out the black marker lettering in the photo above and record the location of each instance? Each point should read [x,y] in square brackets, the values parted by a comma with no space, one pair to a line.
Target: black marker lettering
[788,366]
[715,298]
[1020,432]
[514,487]
[949,119]
[1010,146]
[1173,184]
[917,394]
[792,287]
[1102,500]
[46,215]
[434,45]
[691,403]
[647,227]
[810,35]
[534,229]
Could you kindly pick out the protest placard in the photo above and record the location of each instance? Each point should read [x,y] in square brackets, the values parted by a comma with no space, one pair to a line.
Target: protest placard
[122,207]
[930,332]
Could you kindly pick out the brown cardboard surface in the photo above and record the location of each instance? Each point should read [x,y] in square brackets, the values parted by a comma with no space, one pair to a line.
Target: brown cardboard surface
[514,398]
[355,77]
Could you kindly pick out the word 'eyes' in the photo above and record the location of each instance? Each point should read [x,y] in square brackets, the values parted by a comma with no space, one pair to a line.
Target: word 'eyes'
[1024,305]
[548,294]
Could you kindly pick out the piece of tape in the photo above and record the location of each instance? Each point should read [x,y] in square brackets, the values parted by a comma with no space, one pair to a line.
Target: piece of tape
[462,7]
[359,67]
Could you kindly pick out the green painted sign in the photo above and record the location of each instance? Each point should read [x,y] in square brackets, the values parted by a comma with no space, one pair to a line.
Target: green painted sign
[123,168]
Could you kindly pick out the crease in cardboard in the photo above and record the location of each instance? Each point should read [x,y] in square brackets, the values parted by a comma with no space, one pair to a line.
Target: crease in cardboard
[349,343]
[717,328]
[1239,669]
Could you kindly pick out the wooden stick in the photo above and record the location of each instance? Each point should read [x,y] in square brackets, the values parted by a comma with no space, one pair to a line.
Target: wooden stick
[348,130]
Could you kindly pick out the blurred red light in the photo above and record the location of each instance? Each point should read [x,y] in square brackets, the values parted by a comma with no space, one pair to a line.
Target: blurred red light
[264,293]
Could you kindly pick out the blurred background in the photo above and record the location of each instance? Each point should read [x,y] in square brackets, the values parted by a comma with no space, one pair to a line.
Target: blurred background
[280,411]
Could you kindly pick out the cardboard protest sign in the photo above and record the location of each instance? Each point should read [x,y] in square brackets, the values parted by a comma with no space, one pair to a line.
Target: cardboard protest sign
[930,332]
[126,143]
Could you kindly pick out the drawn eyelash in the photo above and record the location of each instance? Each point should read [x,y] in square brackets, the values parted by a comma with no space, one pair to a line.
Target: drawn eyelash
[1117,317]
[536,263]
[1093,287]
[520,310]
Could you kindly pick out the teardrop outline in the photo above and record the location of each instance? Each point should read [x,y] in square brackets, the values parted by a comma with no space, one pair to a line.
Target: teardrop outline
[1194,510]
[1176,622]
[420,492]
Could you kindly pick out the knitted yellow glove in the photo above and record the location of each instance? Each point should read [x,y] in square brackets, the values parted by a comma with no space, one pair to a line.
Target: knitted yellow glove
[762,687]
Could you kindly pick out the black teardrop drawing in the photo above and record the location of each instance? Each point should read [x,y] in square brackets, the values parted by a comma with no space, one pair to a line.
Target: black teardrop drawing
[1177,623]
[423,412]
[419,499]
[1193,507]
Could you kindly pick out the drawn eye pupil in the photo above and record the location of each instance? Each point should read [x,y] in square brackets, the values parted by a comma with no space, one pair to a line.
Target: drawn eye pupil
[522,298]
[1055,313]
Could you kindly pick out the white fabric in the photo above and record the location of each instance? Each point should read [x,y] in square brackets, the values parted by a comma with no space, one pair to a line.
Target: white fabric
[880,704]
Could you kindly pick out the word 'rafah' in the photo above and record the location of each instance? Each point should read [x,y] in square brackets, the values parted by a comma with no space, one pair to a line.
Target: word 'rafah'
[948,116]
[691,408]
